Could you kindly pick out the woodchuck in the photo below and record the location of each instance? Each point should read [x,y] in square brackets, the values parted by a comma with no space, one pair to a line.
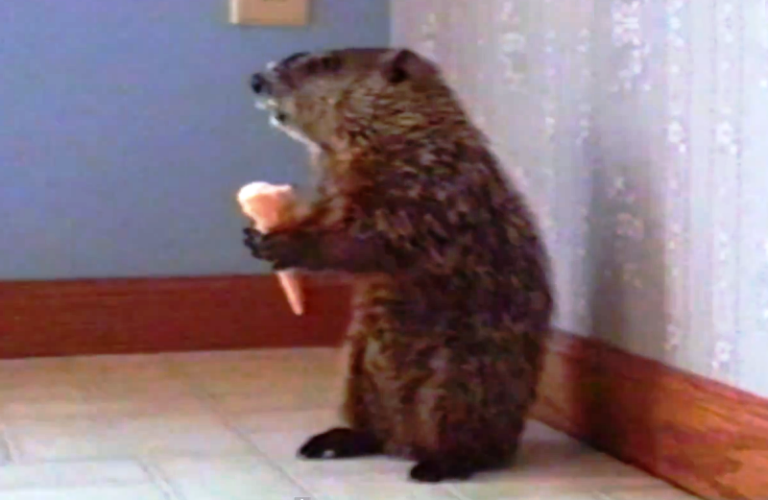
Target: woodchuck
[453,301]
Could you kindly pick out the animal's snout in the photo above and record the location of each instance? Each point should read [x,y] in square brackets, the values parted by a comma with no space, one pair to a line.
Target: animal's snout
[259,84]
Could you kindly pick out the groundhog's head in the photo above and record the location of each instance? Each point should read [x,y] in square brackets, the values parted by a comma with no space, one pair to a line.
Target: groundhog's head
[321,97]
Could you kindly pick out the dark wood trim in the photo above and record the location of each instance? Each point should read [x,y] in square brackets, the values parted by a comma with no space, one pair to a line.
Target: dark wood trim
[701,435]
[112,316]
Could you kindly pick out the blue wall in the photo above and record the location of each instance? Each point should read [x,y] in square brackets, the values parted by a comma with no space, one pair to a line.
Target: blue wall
[126,128]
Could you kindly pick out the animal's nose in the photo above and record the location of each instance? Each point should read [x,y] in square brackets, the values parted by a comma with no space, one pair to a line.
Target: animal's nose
[258,83]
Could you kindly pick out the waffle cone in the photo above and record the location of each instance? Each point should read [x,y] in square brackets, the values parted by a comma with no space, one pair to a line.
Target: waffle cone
[268,205]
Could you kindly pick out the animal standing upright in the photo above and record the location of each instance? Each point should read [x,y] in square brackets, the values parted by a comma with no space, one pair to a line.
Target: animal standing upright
[452,302]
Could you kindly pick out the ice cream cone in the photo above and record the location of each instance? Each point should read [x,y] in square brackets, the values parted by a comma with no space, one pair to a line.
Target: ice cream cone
[268,205]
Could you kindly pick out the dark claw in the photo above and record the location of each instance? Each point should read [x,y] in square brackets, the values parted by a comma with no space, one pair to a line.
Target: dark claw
[252,241]
[252,234]
[458,467]
[434,471]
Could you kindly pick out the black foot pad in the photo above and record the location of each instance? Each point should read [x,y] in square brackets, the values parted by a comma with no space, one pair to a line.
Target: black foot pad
[434,471]
[340,443]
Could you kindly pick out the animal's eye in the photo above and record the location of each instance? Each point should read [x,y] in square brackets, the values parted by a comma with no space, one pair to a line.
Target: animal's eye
[330,63]
[312,66]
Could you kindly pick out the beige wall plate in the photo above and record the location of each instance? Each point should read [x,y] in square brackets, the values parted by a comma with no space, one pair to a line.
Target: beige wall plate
[269,12]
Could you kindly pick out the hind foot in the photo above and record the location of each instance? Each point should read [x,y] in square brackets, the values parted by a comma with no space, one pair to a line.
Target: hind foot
[453,468]
[340,442]
[434,471]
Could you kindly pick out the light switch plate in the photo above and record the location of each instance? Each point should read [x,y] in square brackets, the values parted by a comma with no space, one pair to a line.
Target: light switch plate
[269,12]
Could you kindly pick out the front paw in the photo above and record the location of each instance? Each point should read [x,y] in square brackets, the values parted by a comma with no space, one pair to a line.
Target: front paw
[252,241]
[340,442]
[278,248]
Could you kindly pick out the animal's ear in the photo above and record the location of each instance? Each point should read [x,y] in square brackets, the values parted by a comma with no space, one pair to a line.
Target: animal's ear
[400,65]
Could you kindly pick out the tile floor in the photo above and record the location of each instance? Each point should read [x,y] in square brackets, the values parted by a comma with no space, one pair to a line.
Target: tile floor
[225,426]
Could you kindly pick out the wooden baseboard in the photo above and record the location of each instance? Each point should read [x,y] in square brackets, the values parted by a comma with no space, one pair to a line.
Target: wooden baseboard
[707,438]
[115,316]
[698,434]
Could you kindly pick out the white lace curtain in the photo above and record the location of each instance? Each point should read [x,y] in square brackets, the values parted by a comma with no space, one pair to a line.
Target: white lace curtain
[639,131]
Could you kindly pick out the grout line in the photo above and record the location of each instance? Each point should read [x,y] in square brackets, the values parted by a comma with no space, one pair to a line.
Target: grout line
[602,495]
[159,479]
[455,492]
[208,400]
[242,435]
[296,479]
[12,452]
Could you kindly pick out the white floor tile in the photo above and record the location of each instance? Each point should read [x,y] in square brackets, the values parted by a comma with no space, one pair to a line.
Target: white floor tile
[140,492]
[117,377]
[41,385]
[554,469]
[658,492]
[227,425]
[90,405]
[174,434]
[231,478]
[72,474]
[372,487]
[264,381]
[93,386]
[241,372]
[279,395]
[543,492]
[311,421]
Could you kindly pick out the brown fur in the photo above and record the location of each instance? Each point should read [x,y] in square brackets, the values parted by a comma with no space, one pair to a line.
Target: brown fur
[453,303]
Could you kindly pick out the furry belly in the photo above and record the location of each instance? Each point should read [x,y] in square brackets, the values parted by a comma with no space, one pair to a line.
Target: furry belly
[402,396]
